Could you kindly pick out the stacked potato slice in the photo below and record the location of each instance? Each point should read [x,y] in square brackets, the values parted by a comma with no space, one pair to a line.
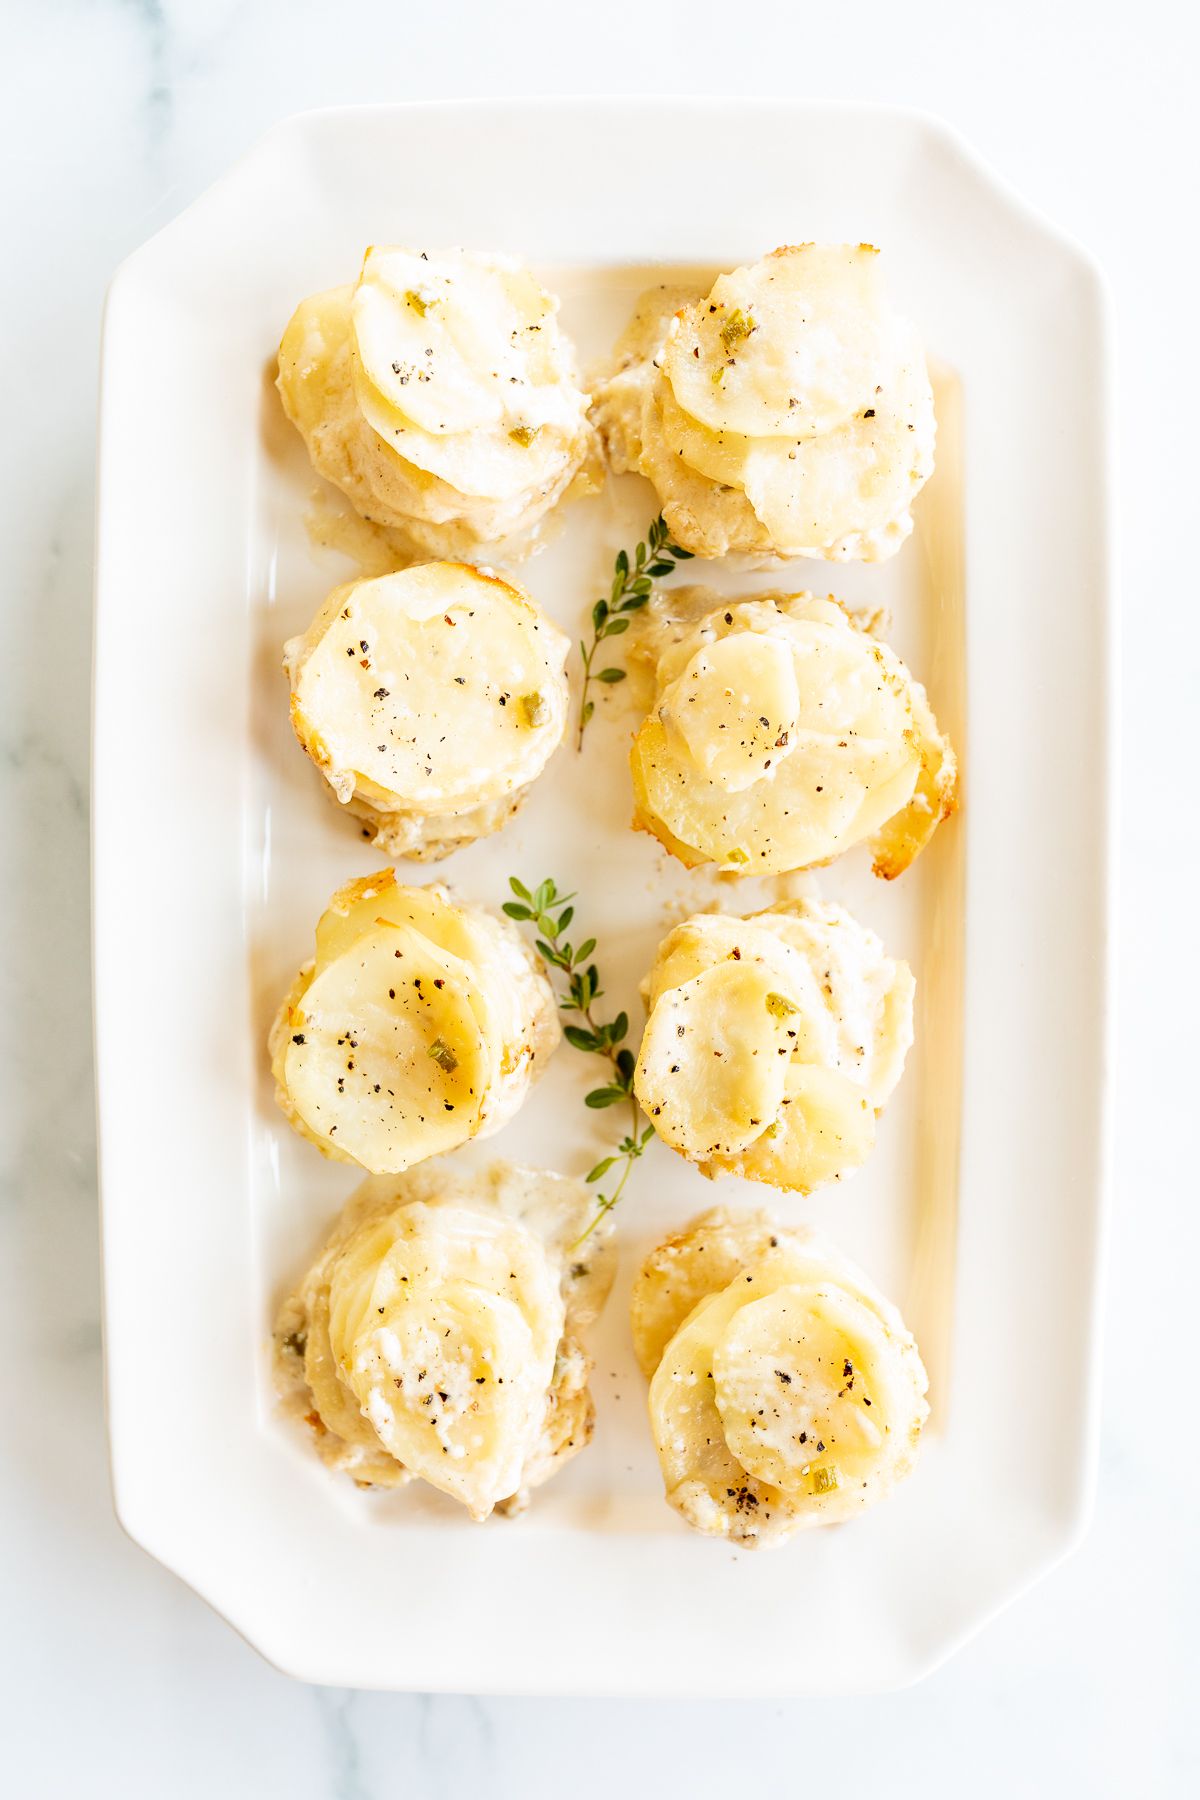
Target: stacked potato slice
[772,1042]
[419,1025]
[439,394]
[786,411]
[436,1335]
[429,699]
[782,733]
[785,1391]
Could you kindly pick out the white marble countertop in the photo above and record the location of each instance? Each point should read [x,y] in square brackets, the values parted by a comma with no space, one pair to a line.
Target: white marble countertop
[117,1680]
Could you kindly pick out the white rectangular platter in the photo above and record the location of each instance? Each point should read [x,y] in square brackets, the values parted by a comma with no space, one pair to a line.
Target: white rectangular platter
[980,1211]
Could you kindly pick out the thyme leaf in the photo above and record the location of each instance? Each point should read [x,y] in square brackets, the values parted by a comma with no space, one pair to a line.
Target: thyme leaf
[632,584]
[578,991]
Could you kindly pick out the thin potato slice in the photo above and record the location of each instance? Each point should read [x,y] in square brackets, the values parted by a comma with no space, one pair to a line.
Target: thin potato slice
[791,1376]
[825,1129]
[857,481]
[387,1056]
[793,345]
[457,343]
[712,1065]
[684,1269]
[485,464]
[736,708]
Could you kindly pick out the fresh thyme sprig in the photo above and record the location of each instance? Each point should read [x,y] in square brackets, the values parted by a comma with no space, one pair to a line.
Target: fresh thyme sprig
[631,585]
[551,912]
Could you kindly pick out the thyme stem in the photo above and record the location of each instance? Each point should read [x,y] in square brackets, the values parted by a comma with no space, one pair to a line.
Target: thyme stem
[551,913]
[632,584]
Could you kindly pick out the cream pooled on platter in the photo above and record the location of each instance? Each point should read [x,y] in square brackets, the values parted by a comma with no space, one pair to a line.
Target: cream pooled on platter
[782,733]
[437,1335]
[785,1390]
[440,395]
[772,1042]
[429,699]
[786,412]
[419,1025]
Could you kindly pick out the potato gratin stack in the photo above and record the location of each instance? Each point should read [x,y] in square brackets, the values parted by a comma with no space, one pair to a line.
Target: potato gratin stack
[437,1334]
[785,1391]
[430,700]
[788,411]
[772,1042]
[418,1025]
[783,732]
[439,394]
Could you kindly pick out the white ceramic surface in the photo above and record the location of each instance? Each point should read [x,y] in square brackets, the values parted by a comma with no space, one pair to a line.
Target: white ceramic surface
[210,1205]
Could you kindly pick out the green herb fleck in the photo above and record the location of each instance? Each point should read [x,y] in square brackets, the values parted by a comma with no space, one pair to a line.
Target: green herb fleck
[533,709]
[736,327]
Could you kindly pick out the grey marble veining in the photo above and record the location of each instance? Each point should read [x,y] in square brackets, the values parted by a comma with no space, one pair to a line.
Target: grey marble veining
[117,1680]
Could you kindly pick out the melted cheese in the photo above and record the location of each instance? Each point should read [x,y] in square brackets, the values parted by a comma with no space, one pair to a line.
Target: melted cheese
[782,733]
[426,695]
[418,1026]
[772,1042]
